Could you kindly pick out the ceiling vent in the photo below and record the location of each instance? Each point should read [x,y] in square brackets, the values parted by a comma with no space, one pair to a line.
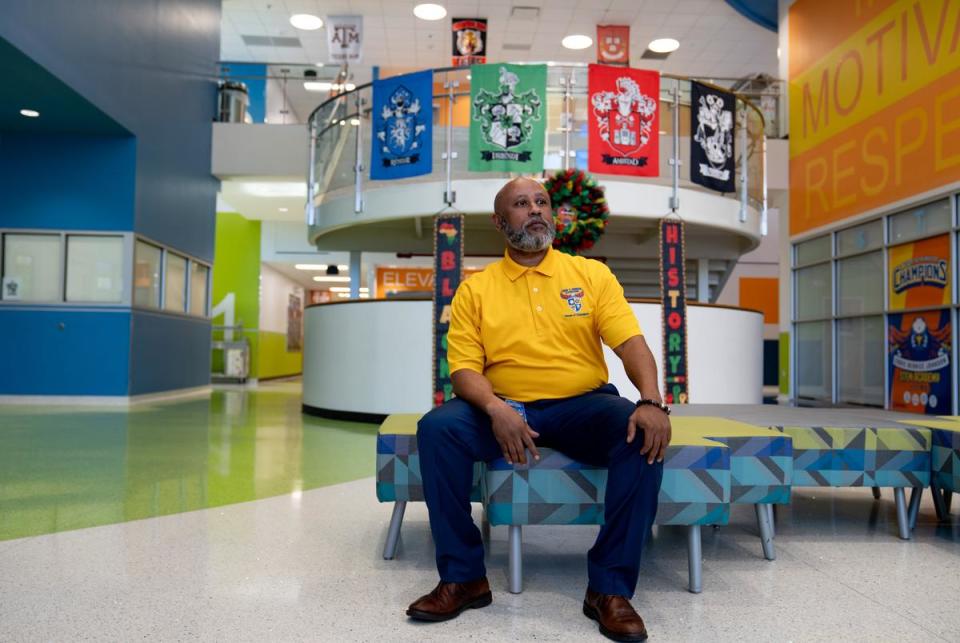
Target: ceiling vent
[524,13]
[271,41]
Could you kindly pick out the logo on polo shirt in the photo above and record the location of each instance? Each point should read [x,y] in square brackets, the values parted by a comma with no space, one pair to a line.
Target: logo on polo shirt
[573,297]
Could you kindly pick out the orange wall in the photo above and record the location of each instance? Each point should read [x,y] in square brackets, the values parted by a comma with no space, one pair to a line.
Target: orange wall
[763,294]
[874,104]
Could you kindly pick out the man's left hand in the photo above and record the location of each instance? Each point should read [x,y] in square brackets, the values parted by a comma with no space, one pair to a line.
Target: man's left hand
[655,425]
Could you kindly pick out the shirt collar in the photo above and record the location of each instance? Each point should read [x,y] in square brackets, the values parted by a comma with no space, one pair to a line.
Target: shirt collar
[546,267]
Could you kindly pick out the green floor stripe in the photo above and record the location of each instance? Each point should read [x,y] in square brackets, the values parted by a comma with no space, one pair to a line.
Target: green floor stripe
[67,468]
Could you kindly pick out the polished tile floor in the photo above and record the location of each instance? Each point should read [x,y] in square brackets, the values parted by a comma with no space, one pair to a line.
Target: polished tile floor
[235,518]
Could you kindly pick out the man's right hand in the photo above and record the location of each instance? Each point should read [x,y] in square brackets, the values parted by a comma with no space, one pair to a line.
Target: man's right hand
[512,433]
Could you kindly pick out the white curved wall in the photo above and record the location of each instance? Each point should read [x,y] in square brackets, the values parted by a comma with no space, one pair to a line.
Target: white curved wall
[375,357]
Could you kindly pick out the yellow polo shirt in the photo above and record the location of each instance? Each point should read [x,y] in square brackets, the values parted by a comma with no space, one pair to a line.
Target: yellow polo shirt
[535,332]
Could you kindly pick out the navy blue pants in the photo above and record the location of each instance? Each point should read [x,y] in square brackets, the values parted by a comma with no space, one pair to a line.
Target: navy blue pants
[590,428]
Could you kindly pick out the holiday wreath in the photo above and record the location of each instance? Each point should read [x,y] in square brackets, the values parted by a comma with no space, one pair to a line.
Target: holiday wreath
[580,210]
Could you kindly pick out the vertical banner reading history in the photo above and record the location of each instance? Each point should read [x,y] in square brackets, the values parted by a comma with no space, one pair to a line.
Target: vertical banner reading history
[507,123]
[448,263]
[403,126]
[712,146]
[919,362]
[469,41]
[674,297]
[623,121]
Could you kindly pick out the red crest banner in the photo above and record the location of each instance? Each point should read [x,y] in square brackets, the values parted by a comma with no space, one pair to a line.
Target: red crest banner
[613,45]
[624,121]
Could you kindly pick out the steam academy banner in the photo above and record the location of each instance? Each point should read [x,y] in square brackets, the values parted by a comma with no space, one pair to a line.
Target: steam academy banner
[469,41]
[920,274]
[624,121]
[448,269]
[712,148]
[507,118]
[919,362]
[674,296]
[402,126]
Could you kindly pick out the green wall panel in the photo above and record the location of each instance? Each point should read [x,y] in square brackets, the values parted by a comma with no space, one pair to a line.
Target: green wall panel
[236,269]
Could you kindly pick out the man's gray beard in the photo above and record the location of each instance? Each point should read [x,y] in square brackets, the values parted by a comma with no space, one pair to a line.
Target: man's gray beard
[525,241]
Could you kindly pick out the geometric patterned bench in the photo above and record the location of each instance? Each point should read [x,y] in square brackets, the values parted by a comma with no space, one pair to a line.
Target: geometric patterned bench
[944,460]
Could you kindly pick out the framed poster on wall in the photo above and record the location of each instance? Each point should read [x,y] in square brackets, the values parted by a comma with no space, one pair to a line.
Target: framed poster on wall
[920,274]
[918,361]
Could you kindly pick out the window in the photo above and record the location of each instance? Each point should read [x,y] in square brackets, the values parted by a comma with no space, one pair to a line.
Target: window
[860,238]
[95,269]
[814,354]
[175,283]
[31,267]
[860,284]
[925,221]
[813,250]
[860,360]
[198,289]
[146,275]
[814,292]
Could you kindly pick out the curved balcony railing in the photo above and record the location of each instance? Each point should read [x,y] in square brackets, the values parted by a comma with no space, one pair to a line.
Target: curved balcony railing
[341,130]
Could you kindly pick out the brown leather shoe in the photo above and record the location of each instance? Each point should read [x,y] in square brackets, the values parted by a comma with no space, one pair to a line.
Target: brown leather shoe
[617,618]
[447,600]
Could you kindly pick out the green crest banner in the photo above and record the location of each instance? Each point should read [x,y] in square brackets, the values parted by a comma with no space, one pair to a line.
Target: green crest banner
[508,119]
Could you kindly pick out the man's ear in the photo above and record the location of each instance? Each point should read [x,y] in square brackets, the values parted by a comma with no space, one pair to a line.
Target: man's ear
[497,221]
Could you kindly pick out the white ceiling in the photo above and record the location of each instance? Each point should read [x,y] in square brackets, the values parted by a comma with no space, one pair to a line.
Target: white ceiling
[715,40]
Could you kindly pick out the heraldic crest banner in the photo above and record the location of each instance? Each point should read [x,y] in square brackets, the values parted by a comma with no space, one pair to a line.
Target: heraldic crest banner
[469,41]
[402,117]
[624,121]
[613,45]
[508,118]
[712,146]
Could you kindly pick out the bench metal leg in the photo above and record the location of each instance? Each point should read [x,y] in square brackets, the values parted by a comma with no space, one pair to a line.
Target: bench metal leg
[947,498]
[485,527]
[393,532]
[876,493]
[516,559]
[766,533]
[694,559]
[771,509]
[938,503]
[903,521]
[915,496]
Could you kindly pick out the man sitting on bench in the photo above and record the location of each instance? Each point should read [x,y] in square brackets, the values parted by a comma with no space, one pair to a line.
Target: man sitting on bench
[528,369]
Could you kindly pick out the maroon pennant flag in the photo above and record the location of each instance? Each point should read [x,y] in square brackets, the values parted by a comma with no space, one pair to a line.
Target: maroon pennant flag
[613,45]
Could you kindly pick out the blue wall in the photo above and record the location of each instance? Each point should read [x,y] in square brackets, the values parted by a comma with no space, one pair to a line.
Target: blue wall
[64,352]
[157,364]
[67,182]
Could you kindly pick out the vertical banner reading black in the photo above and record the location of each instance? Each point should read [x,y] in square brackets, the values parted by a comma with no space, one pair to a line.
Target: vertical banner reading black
[448,270]
[712,144]
[674,296]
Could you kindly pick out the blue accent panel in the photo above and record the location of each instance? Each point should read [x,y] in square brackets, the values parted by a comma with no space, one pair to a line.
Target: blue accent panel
[761,12]
[87,356]
[771,362]
[168,352]
[65,181]
[254,76]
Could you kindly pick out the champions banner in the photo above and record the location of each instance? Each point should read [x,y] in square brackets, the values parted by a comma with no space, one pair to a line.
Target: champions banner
[469,41]
[448,264]
[624,121]
[613,45]
[507,119]
[712,148]
[674,295]
[345,39]
[402,126]
[920,274]
[919,362]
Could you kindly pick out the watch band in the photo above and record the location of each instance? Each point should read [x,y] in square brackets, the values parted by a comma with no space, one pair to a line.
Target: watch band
[648,402]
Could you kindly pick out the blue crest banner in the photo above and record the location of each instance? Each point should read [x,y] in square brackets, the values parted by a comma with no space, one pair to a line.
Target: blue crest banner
[402,126]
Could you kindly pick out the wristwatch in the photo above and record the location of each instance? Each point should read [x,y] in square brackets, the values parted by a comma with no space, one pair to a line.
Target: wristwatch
[648,402]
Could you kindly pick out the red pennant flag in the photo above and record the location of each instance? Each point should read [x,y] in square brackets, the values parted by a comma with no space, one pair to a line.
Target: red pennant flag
[624,117]
[613,44]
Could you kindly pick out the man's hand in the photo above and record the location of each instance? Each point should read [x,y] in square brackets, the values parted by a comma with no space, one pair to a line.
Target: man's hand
[512,433]
[655,425]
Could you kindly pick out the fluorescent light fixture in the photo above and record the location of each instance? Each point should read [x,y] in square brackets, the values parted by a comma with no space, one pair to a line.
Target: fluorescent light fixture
[317,86]
[429,11]
[345,289]
[276,189]
[331,278]
[319,266]
[319,64]
[663,45]
[577,41]
[282,209]
[29,113]
[306,21]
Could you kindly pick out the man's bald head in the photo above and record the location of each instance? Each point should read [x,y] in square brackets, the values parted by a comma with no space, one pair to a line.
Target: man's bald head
[510,188]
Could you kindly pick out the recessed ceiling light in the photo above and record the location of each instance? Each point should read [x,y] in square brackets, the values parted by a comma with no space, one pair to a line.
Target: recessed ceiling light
[282,209]
[354,121]
[29,113]
[577,41]
[429,11]
[306,21]
[318,64]
[664,45]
